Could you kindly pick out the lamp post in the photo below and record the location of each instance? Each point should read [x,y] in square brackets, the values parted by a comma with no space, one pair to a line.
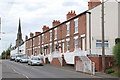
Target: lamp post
[103,44]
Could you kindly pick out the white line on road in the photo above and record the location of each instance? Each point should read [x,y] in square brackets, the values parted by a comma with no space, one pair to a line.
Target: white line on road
[8,66]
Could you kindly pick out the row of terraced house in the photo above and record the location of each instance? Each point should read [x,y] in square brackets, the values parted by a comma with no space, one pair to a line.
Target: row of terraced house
[82,31]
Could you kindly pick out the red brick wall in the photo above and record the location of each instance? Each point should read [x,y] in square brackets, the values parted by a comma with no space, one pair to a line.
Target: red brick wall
[98,62]
[93,3]
[55,62]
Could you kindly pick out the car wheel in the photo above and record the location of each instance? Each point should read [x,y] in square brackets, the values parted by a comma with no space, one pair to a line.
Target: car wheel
[31,64]
[41,64]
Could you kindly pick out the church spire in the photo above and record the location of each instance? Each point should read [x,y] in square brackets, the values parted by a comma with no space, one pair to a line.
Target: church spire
[19,39]
[19,27]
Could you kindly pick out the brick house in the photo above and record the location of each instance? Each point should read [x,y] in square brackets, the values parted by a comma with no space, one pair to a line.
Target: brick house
[74,33]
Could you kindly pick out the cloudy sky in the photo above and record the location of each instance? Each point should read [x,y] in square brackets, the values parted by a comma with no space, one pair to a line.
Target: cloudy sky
[33,14]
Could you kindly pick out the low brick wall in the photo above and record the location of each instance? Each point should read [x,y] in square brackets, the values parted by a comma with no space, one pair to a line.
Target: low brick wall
[56,62]
[98,62]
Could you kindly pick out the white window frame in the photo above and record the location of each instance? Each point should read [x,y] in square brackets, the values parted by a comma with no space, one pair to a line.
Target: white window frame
[55,34]
[42,38]
[76,45]
[50,35]
[76,26]
[51,48]
[39,39]
[67,45]
[68,29]
[100,43]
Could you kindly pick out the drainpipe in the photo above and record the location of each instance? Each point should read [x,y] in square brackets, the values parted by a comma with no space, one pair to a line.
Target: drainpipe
[32,46]
[89,31]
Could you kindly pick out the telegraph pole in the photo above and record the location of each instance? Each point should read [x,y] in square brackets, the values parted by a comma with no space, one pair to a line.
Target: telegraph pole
[103,40]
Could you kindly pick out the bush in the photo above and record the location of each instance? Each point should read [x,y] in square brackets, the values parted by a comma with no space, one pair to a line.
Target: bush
[3,57]
[109,71]
[117,40]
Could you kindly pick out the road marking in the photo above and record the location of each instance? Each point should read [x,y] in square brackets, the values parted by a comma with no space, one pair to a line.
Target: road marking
[17,71]
[34,68]
[20,73]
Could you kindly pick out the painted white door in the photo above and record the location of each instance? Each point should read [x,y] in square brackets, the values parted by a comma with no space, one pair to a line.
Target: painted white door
[83,44]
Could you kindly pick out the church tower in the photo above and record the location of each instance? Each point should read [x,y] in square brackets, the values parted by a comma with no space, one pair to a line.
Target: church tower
[19,39]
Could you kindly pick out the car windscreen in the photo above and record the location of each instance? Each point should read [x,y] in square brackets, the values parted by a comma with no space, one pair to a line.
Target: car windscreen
[35,58]
[19,56]
[25,57]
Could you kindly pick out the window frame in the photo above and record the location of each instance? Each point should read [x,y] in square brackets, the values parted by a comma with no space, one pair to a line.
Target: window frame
[68,29]
[76,26]
[55,34]
[76,46]
[100,43]
[67,44]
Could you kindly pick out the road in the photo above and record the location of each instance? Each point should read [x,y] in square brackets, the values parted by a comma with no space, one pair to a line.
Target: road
[21,71]
[11,69]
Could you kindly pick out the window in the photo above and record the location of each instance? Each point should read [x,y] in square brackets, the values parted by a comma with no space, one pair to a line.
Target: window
[43,39]
[76,26]
[68,45]
[50,36]
[55,33]
[31,43]
[76,43]
[51,48]
[39,40]
[43,49]
[99,44]
[68,28]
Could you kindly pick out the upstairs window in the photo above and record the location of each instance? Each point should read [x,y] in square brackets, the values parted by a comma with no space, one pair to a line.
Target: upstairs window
[43,39]
[55,33]
[39,40]
[50,36]
[76,25]
[68,28]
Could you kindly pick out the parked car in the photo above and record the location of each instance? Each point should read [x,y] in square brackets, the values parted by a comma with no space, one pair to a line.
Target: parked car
[18,57]
[35,61]
[24,59]
[12,58]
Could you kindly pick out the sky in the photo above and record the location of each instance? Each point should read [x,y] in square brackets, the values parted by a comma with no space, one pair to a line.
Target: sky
[33,14]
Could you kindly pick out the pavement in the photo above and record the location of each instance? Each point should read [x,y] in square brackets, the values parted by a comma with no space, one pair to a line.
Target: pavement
[11,69]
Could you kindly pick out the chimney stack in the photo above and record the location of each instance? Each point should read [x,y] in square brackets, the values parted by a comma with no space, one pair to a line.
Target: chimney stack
[71,14]
[31,34]
[36,33]
[55,22]
[93,3]
[45,28]
[26,37]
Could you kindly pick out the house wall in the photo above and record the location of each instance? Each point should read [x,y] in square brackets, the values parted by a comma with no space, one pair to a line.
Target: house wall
[62,36]
[119,20]
[111,26]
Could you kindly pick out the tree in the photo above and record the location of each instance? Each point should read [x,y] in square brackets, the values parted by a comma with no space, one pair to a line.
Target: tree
[7,52]
[116,52]
[3,55]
